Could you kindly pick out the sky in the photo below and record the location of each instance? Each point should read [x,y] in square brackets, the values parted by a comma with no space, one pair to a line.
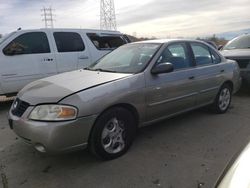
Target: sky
[143,18]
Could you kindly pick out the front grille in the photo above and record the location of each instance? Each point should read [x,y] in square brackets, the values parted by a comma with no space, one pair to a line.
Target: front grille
[19,107]
[243,63]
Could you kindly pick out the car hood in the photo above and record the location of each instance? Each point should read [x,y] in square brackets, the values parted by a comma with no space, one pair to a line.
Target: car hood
[236,53]
[54,88]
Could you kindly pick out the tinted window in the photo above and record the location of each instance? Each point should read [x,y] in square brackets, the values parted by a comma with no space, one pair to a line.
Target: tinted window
[201,54]
[242,42]
[28,43]
[106,42]
[175,54]
[68,42]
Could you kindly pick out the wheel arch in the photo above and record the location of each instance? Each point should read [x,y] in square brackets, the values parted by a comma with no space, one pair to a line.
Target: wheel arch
[230,83]
[126,106]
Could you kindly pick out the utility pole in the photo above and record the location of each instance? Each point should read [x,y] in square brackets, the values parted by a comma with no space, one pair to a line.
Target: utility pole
[47,17]
[107,15]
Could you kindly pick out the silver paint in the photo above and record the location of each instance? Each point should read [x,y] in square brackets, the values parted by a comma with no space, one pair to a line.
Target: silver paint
[151,97]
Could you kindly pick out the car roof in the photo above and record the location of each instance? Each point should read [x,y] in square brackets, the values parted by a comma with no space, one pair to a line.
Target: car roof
[162,41]
[245,34]
[71,29]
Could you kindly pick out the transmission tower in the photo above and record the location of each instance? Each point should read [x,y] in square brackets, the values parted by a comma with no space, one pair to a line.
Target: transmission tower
[47,17]
[107,15]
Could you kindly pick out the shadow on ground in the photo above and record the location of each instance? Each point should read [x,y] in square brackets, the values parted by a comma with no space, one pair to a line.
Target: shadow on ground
[5,106]
[244,91]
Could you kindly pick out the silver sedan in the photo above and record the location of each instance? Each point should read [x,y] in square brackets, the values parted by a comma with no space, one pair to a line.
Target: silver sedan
[135,85]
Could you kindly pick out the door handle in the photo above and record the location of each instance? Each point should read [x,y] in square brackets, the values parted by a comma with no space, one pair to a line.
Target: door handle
[48,59]
[222,70]
[83,57]
[191,77]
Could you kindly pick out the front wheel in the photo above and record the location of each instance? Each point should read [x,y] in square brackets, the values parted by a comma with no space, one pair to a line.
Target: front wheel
[112,133]
[223,99]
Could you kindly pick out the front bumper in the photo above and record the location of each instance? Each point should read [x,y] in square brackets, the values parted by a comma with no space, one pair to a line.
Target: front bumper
[53,136]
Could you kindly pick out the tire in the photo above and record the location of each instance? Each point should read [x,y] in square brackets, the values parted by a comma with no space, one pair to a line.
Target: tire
[223,99]
[112,134]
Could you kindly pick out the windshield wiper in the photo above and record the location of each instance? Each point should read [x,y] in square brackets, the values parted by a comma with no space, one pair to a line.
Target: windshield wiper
[87,68]
[103,70]
[99,69]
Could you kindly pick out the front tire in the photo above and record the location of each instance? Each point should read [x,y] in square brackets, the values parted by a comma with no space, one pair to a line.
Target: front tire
[223,99]
[112,134]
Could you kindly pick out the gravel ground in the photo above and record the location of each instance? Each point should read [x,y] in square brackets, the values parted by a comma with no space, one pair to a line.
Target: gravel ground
[188,151]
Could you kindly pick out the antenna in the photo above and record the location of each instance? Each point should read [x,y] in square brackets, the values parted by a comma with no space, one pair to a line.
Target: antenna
[107,15]
[47,17]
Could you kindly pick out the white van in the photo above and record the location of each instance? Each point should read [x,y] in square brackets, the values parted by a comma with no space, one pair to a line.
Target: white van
[28,55]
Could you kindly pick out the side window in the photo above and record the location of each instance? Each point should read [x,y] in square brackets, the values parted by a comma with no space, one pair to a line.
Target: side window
[68,42]
[201,54]
[216,58]
[106,42]
[28,43]
[175,54]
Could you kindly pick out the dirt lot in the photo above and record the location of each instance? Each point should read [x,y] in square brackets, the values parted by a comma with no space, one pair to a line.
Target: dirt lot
[188,151]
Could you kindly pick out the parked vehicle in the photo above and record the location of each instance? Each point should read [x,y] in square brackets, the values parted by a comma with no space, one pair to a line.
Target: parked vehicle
[135,85]
[236,173]
[212,43]
[238,49]
[28,55]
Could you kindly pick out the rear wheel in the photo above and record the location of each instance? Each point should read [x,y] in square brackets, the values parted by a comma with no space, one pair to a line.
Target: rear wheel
[223,99]
[113,133]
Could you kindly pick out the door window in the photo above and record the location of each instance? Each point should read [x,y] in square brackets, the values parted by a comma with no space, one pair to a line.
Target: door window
[216,58]
[202,54]
[106,42]
[68,42]
[28,43]
[177,55]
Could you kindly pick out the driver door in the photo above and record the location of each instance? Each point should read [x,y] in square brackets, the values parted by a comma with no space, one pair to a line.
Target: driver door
[26,58]
[170,93]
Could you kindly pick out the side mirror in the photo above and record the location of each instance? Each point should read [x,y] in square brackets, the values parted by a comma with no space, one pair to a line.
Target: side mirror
[162,68]
[220,47]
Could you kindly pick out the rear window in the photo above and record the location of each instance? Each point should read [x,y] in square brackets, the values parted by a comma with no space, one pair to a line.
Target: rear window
[106,42]
[68,42]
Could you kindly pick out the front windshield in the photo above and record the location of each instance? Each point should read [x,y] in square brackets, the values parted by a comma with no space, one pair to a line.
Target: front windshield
[242,42]
[131,58]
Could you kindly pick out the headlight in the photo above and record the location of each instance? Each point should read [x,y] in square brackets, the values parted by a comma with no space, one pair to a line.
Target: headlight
[53,113]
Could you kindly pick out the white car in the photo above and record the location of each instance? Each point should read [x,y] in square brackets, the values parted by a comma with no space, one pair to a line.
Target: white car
[28,55]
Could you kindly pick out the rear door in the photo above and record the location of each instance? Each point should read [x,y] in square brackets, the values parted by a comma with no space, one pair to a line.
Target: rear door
[208,72]
[26,58]
[71,52]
